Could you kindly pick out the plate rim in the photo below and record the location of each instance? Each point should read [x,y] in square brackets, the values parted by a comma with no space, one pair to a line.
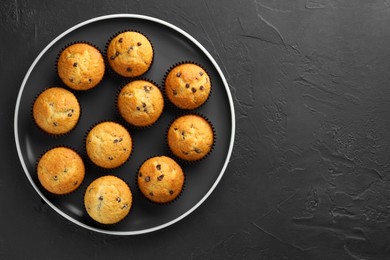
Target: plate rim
[132,16]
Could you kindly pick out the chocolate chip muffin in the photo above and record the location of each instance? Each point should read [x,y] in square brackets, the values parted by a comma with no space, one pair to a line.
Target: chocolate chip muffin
[187,86]
[160,179]
[130,54]
[60,170]
[56,111]
[140,103]
[190,137]
[81,66]
[108,199]
[108,145]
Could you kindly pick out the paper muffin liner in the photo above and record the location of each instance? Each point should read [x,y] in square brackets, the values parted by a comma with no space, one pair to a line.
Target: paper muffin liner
[105,225]
[44,131]
[108,66]
[184,161]
[122,119]
[85,42]
[151,202]
[89,160]
[68,193]
[170,103]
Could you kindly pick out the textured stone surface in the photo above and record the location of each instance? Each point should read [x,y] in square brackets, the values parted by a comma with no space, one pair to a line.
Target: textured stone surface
[309,174]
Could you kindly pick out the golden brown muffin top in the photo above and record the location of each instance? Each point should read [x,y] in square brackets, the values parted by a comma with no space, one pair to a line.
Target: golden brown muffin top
[190,137]
[108,199]
[81,66]
[108,145]
[56,111]
[140,103]
[160,179]
[130,54]
[60,170]
[187,86]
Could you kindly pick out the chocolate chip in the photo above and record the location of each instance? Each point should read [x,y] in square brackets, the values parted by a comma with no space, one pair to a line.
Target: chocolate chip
[70,115]
[201,88]
[171,192]
[139,43]
[65,170]
[201,73]
[148,88]
[128,69]
[175,129]
[158,166]
[51,104]
[75,64]
[185,153]
[55,178]
[113,57]
[125,206]
[71,80]
[110,158]
[197,150]
[89,80]
[117,53]
[54,123]
[174,92]
[147,179]
[160,177]
[178,74]
[151,193]
[138,108]
[118,199]
[193,90]
[120,40]
[101,197]
[118,140]
[75,183]
[187,85]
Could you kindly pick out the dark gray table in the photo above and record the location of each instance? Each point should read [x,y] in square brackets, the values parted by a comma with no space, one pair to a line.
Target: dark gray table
[309,174]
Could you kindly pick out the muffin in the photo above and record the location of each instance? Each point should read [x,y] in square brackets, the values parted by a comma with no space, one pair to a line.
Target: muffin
[108,199]
[160,179]
[190,137]
[108,145]
[81,66]
[56,111]
[130,54]
[60,170]
[140,103]
[187,86]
